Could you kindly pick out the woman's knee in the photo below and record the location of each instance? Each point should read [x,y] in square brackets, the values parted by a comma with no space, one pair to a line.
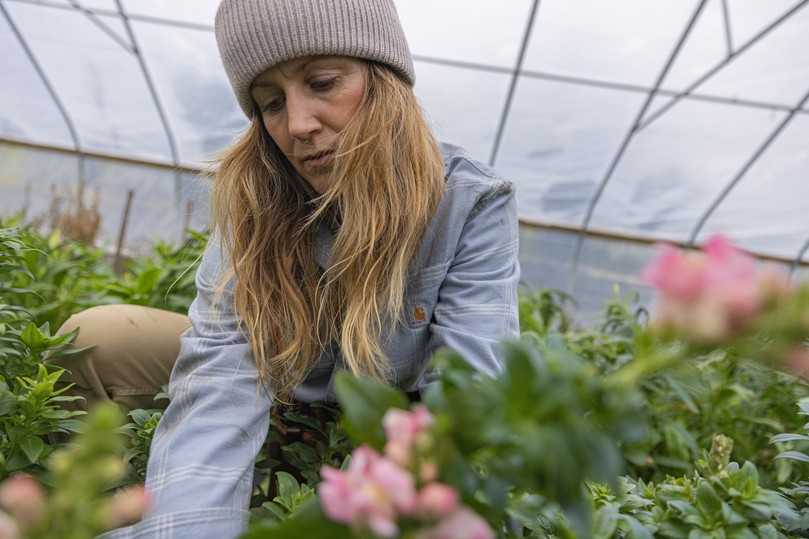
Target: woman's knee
[129,344]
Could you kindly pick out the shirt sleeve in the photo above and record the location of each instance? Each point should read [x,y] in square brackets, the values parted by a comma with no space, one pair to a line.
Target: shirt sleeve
[200,470]
[477,302]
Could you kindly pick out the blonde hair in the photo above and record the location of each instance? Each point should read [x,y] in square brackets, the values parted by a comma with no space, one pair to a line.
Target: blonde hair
[385,185]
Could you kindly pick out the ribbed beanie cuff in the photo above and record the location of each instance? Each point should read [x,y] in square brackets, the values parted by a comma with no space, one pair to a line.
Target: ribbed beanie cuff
[254,35]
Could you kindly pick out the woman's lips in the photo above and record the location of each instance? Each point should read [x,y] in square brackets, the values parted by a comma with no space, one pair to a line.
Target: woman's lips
[323,159]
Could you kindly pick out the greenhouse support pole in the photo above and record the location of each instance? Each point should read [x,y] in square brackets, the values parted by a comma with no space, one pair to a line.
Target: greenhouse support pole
[745,168]
[718,67]
[175,157]
[71,127]
[512,87]
[630,135]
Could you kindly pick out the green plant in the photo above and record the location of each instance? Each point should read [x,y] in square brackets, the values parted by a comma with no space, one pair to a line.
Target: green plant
[164,280]
[81,475]
[721,499]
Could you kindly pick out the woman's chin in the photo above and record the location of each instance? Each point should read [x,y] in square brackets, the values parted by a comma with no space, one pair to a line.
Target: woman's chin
[319,182]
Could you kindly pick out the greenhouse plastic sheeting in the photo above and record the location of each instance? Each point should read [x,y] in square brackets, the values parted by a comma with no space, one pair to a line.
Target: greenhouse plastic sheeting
[159,203]
[720,144]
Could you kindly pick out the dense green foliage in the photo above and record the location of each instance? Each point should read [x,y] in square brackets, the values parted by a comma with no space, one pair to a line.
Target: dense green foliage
[552,443]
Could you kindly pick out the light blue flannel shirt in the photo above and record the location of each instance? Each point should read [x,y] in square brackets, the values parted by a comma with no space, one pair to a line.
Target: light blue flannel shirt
[461,293]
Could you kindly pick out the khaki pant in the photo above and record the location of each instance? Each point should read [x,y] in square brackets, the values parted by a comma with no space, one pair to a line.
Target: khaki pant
[135,348]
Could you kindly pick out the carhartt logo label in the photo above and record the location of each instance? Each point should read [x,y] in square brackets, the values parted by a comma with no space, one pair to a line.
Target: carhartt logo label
[419,315]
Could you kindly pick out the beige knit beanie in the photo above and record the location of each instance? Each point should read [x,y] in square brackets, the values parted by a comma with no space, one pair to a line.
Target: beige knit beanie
[254,35]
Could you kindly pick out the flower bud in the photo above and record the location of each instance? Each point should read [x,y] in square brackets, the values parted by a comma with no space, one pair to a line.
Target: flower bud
[24,499]
[436,500]
[60,462]
[111,468]
[462,524]
[428,471]
[797,362]
[398,452]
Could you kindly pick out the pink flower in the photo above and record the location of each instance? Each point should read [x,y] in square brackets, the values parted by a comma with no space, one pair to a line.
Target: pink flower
[23,498]
[428,470]
[797,362]
[372,493]
[402,429]
[710,295]
[8,528]
[127,506]
[462,524]
[436,500]
[676,275]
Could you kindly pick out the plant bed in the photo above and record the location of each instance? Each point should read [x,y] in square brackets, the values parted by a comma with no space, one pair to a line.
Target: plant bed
[628,429]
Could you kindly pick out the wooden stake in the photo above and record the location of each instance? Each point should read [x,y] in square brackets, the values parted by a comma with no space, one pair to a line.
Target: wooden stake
[189,209]
[116,265]
[26,202]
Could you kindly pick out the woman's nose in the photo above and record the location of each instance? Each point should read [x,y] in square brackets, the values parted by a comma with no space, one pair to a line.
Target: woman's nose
[302,122]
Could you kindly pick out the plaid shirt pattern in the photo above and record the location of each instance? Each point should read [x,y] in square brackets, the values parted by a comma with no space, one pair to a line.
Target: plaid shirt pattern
[461,293]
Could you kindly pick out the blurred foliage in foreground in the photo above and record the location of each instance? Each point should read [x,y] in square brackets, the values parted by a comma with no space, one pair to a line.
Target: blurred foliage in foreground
[670,487]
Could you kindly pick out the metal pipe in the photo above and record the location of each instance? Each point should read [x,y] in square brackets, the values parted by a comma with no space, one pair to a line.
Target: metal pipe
[91,154]
[637,239]
[712,71]
[633,128]
[71,127]
[102,25]
[512,87]
[155,98]
[629,135]
[745,168]
[728,32]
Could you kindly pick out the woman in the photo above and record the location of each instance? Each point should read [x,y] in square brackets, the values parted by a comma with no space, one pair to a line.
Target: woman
[345,238]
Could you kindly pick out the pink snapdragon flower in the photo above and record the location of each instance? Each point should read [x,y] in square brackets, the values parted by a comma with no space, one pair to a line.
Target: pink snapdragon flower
[403,429]
[24,499]
[710,295]
[372,493]
[797,362]
[436,500]
[462,524]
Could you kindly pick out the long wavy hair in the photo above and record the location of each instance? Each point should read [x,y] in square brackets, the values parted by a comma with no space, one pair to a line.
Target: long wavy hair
[385,185]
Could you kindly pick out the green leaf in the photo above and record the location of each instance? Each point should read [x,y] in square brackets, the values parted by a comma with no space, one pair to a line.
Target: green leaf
[364,403]
[71,425]
[768,531]
[140,416]
[275,509]
[32,337]
[8,401]
[308,521]
[780,438]
[606,522]
[636,529]
[288,486]
[742,533]
[793,455]
[750,474]
[32,446]
[709,502]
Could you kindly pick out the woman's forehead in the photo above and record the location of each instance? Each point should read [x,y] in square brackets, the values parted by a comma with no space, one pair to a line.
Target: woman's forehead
[290,68]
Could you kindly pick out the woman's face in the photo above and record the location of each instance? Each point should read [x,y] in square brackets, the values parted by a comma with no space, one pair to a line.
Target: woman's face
[304,104]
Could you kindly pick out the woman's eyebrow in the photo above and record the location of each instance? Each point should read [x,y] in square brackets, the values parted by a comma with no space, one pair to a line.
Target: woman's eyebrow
[300,67]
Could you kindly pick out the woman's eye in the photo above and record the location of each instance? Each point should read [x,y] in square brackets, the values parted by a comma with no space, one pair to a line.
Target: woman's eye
[322,84]
[274,105]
